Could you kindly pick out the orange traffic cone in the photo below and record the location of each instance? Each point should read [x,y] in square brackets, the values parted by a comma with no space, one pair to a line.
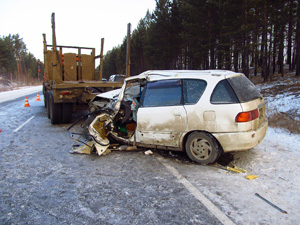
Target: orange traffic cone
[38,97]
[26,102]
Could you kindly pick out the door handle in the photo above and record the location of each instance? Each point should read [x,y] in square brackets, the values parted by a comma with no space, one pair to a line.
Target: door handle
[177,114]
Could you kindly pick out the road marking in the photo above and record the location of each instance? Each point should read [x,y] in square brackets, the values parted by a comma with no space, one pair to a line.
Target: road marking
[20,127]
[197,194]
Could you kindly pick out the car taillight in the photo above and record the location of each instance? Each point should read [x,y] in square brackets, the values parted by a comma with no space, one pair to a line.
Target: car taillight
[246,116]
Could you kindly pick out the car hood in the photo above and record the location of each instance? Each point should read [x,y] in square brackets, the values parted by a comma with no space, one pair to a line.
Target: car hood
[110,94]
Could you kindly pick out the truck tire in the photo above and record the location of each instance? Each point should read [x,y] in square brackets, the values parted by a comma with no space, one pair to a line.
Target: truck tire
[47,102]
[55,110]
[45,95]
[67,112]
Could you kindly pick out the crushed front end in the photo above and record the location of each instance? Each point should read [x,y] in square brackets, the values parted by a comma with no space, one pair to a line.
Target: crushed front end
[111,120]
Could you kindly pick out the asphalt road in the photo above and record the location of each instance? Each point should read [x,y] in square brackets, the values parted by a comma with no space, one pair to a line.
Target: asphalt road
[42,183]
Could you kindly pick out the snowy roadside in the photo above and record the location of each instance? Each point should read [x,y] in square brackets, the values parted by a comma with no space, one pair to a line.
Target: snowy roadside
[283,97]
[21,92]
[276,163]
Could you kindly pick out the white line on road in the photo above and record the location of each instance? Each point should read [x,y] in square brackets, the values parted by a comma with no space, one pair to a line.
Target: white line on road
[27,121]
[197,194]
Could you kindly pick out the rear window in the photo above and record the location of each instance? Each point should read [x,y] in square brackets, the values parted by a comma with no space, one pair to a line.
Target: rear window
[244,88]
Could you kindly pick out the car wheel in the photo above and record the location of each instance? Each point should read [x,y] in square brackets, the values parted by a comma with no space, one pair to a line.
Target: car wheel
[202,148]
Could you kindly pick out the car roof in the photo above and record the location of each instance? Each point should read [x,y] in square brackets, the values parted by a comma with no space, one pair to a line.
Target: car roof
[153,75]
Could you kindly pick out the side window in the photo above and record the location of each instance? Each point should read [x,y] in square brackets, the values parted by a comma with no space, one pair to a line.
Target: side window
[223,94]
[193,90]
[162,93]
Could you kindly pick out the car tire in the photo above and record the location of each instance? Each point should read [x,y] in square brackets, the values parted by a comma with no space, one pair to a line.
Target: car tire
[202,148]
[55,110]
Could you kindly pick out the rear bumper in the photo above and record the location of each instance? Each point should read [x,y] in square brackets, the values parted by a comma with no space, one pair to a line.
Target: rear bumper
[242,141]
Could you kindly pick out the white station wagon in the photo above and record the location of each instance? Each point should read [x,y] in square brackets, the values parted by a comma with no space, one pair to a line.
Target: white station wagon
[204,113]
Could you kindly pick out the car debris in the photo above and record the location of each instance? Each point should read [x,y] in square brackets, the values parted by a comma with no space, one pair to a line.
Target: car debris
[270,203]
[251,177]
[231,168]
[204,113]
[148,152]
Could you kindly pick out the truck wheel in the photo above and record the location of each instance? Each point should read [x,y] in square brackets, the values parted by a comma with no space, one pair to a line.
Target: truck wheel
[45,95]
[67,112]
[45,100]
[55,110]
[202,148]
[48,107]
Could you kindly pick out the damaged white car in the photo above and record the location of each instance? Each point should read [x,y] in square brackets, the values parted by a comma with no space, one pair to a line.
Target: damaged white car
[203,113]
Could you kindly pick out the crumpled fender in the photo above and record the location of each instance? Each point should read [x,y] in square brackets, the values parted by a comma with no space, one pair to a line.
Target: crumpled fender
[98,130]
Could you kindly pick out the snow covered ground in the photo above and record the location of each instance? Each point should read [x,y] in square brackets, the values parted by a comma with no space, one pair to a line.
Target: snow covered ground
[282,96]
[275,162]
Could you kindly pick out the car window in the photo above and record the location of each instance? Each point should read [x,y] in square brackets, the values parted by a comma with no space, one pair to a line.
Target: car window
[244,88]
[119,78]
[193,90]
[223,94]
[162,93]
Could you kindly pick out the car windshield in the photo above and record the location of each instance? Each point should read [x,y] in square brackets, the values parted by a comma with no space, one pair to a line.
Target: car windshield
[244,88]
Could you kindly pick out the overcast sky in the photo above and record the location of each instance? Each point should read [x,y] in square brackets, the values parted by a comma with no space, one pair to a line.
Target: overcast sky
[78,23]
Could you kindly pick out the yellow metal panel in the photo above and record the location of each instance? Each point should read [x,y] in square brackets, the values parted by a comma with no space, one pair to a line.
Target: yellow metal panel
[88,67]
[70,67]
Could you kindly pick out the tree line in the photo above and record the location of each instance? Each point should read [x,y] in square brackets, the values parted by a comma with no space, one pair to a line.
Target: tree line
[252,36]
[16,64]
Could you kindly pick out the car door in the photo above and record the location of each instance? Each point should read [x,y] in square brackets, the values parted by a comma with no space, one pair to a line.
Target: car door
[161,119]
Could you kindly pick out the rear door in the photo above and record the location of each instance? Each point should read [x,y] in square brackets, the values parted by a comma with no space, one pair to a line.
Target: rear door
[162,118]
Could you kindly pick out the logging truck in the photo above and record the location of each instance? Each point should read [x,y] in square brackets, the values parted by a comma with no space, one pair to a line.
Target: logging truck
[70,81]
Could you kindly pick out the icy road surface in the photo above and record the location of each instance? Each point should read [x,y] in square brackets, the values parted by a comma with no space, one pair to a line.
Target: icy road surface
[42,183]
[12,95]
